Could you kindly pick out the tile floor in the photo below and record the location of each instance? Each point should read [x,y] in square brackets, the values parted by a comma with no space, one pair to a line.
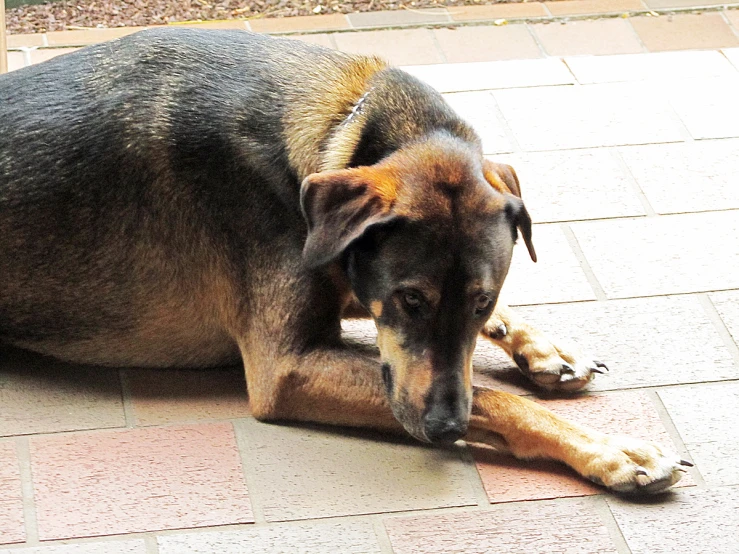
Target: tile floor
[629,165]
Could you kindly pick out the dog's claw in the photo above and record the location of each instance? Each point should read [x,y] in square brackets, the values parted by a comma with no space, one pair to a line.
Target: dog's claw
[601,365]
[686,463]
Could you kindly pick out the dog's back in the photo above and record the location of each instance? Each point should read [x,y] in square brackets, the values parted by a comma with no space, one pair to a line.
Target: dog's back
[138,176]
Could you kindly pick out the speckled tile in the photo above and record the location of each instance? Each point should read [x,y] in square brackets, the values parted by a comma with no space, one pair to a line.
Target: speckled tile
[637,339]
[706,106]
[539,528]
[12,529]
[625,413]
[727,305]
[137,480]
[594,38]
[556,118]
[355,537]
[704,417]
[305,473]
[687,177]
[574,185]
[689,520]
[460,77]
[39,395]
[169,396]
[556,277]
[663,255]
[106,547]
[480,111]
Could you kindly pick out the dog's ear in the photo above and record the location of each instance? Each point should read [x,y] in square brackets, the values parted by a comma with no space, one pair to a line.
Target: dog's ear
[340,206]
[503,178]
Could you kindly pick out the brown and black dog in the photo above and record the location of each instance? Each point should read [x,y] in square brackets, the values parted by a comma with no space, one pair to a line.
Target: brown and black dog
[192,198]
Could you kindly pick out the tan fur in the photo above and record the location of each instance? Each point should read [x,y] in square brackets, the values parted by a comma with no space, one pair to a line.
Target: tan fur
[324,103]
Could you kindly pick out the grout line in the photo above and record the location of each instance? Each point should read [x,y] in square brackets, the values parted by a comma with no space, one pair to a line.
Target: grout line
[439,49]
[128,410]
[710,309]
[332,40]
[674,434]
[729,23]
[636,35]
[600,294]
[250,476]
[383,539]
[473,477]
[648,209]
[600,506]
[151,544]
[23,450]
[536,40]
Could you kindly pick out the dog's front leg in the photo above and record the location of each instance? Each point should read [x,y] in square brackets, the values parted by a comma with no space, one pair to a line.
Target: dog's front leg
[528,430]
[337,386]
[551,365]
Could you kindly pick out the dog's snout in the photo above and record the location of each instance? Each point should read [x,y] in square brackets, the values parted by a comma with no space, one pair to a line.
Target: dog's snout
[444,430]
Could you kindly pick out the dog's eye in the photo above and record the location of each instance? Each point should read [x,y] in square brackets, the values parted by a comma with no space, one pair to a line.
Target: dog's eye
[412,300]
[482,303]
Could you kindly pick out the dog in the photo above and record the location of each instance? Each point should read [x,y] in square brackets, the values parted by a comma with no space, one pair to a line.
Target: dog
[196,198]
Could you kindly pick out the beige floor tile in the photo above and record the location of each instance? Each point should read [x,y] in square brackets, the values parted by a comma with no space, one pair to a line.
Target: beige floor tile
[43,54]
[699,64]
[684,31]
[574,185]
[692,520]
[727,305]
[480,111]
[304,473]
[687,177]
[319,39]
[498,11]
[331,22]
[711,435]
[460,77]
[601,37]
[16,60]
[579,7]
[637,339]
[571,527]
[553,118]
[398,17]
[355,537]
[399,47]
[487,43]
[733,17]
[38,395]
[663,255]
[707,107]
[556,277]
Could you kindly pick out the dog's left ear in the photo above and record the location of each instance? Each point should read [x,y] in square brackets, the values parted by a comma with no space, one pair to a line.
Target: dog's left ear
[503,178]
[340,206]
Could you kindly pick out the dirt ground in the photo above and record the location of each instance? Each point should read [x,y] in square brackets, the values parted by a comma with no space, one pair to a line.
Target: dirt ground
[71,14]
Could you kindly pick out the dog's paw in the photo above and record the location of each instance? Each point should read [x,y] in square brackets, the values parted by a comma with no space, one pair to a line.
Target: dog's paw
[554,367]
[628,465]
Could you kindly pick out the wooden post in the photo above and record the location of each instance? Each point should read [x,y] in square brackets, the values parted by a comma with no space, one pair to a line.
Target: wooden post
[3,40]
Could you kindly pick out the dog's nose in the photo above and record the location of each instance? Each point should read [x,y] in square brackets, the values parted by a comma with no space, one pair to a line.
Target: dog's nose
[445,430]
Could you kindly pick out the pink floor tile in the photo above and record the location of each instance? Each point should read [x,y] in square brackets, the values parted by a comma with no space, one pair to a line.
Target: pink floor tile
[627,413]
[11,502]
[538,528]
[106,483]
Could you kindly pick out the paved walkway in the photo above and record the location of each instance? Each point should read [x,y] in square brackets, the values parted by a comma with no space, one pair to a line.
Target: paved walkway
[629,166]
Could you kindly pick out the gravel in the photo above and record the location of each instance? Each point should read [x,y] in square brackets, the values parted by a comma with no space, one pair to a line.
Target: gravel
[70,14]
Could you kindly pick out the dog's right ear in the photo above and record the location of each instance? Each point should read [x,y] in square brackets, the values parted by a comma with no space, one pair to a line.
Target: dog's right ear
[340,206]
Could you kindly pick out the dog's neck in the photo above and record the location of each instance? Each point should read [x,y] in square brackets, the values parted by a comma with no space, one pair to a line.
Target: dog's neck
[344,139]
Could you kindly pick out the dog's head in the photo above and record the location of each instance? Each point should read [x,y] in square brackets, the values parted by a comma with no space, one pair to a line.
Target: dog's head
[426,238]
